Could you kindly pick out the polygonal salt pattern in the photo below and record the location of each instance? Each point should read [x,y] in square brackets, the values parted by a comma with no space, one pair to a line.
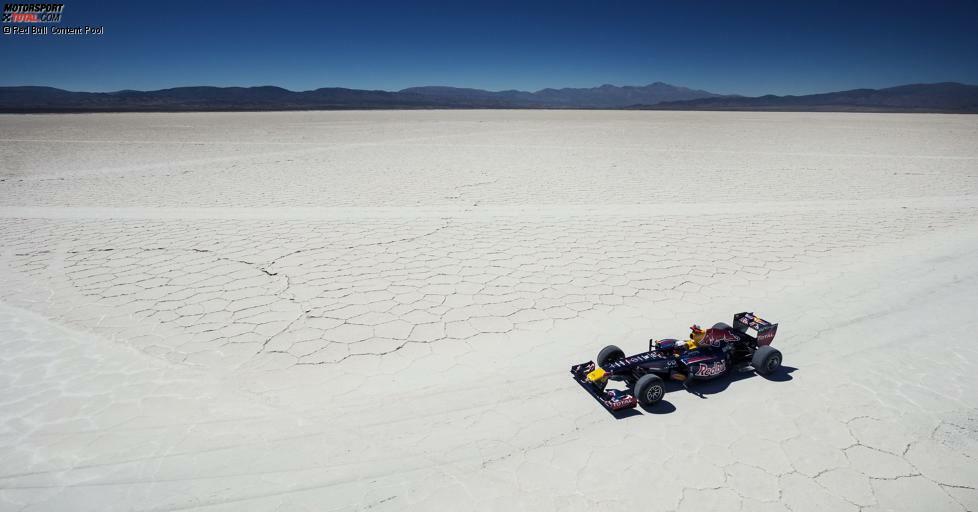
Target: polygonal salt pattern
[320,292]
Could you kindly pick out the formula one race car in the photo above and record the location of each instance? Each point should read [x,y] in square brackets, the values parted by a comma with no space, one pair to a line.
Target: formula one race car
[705,355]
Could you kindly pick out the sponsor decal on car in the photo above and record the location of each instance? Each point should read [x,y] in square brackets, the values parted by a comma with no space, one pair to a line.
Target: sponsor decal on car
[644,357]
[711,370]
[718,337]
[766,337]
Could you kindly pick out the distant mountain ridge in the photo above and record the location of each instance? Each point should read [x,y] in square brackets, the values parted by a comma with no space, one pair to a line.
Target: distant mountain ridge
[32,98]
[942,97]
[948,97]
[605,96]
[204,98]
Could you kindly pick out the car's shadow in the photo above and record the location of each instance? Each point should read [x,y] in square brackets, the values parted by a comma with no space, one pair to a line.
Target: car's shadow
[703,389]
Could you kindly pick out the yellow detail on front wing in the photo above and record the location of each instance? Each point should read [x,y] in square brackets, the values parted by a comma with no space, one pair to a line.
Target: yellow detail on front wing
[597,376]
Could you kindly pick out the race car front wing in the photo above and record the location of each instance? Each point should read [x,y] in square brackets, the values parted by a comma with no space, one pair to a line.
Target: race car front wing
[611,399]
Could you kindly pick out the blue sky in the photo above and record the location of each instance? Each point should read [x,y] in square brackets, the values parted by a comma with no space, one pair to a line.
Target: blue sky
[727,47]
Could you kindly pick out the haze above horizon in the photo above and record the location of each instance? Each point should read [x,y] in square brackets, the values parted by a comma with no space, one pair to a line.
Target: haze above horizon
[750,49]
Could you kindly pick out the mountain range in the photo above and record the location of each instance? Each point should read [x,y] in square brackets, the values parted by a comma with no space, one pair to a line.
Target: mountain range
[948,97]
[940,97]
[605,96]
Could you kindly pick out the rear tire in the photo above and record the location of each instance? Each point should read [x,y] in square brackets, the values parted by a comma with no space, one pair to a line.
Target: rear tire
[610,354]
[721,325]
[649,390]
[766,360]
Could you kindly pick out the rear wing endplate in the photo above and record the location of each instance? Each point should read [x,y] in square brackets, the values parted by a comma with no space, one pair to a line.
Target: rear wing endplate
[753,325]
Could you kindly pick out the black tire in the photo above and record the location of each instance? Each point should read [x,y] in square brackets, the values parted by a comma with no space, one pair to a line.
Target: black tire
[610,354]
[721,325]
[766,360]
[649,390]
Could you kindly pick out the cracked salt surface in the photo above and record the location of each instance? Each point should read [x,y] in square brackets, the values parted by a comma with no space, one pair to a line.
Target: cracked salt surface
[175,335]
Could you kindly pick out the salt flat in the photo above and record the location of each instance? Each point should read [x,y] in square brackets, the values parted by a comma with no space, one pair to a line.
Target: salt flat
[377,310]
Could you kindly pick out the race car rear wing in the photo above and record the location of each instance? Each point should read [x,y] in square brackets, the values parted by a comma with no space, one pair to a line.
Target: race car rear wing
[755,326]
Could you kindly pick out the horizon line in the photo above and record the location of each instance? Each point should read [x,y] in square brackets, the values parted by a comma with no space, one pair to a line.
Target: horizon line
[465,88]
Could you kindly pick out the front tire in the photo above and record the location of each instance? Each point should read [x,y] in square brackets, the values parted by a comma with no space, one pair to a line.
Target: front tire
[649,390]
[766,360]
[609,354]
